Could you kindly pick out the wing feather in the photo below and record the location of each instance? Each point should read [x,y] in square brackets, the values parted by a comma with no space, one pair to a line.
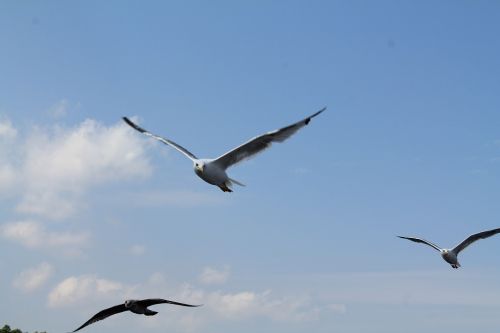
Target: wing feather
[103,315]
[472,238]
[170,143]
[153,301]
[423,241]
[261,143]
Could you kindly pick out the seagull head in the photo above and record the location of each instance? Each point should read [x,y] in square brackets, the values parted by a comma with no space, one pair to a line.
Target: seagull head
[129,302]
[198,167]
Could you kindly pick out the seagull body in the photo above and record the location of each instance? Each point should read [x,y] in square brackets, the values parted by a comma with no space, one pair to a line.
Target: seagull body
[135,306]
[213,171]
[451,255]
[210,172]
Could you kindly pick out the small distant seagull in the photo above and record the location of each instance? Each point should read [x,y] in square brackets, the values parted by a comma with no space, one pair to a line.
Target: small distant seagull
[135,306]
[450,255]
[213,171]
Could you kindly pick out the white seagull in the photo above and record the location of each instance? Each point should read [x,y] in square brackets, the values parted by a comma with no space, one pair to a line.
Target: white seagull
[213,171]
[135,306]
[450,255]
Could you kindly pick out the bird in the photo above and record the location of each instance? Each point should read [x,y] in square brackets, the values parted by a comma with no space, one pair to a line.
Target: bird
[451,255]
[213,171]
[135,306]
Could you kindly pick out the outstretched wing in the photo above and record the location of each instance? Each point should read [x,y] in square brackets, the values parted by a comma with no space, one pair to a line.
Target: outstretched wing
[472,238]
[153,301]
[103,315]
[423,241]
[159,138]
[260,143]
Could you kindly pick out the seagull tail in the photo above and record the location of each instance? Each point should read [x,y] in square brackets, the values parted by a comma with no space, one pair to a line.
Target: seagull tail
[150,312]
[236,182]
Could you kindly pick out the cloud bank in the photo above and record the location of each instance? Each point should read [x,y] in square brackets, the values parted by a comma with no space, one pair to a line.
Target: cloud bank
[34,278]
[32,234]
[60,164]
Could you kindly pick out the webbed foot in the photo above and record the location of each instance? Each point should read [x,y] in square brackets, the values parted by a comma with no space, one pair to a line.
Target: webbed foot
[224,188]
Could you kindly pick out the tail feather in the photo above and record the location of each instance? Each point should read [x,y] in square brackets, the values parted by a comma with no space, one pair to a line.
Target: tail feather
[236,182]
[150,312]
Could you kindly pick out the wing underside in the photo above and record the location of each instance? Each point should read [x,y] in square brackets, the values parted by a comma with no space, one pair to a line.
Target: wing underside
[168,142]
[471,239]
[153,301]
[103,315]
[422,241]
[260,143]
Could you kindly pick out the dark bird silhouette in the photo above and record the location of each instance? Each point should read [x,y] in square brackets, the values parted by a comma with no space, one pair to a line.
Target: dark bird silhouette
[135,306]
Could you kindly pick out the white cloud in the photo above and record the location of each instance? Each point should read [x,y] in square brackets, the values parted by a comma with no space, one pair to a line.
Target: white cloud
[32,234]
[212,275]
[137,250]
[221,306]
[88,154]
[49,204]
[33,278]
[247,304]
[242,302]
[7,131]
[218,306]
[8,178]
[56,167]
[77,289]
[52,169]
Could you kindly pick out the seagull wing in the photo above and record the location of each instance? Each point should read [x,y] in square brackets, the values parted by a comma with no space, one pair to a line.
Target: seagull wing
[159,138]
[260,143]
[423,241]
[153,301]
[472,238]
[103,315]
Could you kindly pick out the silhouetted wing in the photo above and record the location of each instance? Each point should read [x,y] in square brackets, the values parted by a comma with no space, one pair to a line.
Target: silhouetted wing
[260,143]
[423,241]
[159,138]
[471,239]
[153,301]
[103,315]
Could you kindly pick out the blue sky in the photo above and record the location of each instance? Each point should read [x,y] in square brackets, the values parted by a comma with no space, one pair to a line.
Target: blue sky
[93,213]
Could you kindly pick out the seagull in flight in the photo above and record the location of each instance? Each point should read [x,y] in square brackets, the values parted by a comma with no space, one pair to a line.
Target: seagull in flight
[135,306]
[213,171]
[450,255]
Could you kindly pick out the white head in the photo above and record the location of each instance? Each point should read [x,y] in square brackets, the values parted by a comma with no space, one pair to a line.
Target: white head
[198,166]
[129,302]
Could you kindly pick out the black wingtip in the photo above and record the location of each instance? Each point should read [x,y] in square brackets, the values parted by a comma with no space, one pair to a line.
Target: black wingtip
[133,125]
[192,305]
[308,120]
[128,121]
